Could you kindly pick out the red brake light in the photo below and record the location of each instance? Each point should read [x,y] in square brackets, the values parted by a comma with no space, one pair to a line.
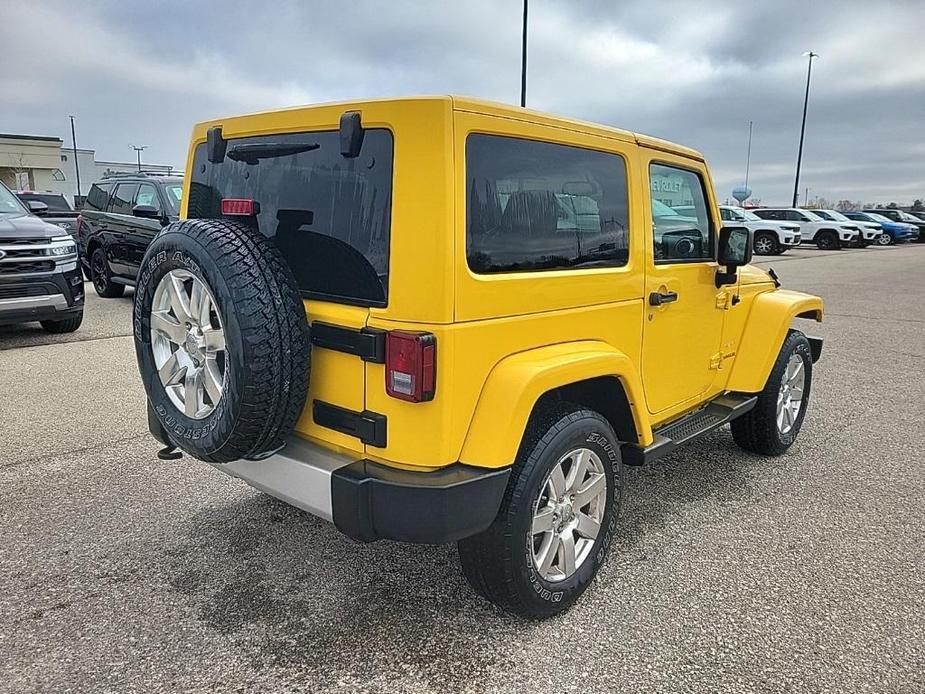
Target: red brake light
[410,365]
[239,206]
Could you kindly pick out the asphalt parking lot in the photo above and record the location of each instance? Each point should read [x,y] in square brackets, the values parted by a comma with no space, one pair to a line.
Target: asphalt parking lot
[119,572]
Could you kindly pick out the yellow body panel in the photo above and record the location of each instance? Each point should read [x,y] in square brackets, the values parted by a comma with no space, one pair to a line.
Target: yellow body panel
[769,318]
[503,340]
[519,381]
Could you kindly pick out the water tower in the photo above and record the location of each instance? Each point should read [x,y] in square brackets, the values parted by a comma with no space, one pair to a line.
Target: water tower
[741,193]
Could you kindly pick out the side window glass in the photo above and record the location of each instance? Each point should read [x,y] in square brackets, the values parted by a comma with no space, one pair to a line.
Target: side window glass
[98,197]
[147,195]
[725,215]
[543,206]
[122,199]
[680,215]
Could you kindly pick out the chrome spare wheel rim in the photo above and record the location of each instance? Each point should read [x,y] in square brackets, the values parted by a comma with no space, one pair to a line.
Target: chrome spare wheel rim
[188,342]
[790,396]
[567,515]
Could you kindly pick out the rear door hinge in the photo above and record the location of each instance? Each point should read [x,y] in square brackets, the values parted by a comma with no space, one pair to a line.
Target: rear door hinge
[722,300]
[716,361]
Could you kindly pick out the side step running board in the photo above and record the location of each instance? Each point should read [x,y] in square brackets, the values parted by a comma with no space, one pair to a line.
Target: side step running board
[689,427]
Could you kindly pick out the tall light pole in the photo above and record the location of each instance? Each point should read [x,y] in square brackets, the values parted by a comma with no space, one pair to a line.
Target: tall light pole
[76,163]
[523,62]
[748,153]
[138,151]
[809,72]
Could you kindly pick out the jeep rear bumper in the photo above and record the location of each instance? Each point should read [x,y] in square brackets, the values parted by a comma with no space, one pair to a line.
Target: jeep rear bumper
[368,501]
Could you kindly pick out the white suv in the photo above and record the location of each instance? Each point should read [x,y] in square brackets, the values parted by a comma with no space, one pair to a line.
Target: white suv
[771,238]
[869,230]
[828,236]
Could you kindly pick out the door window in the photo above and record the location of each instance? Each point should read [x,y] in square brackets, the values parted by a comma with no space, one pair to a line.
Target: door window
[681,224]
[147,195]
[98,197]
[122,198]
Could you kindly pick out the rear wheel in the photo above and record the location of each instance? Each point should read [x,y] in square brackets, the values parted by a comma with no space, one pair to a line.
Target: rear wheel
[766,244]
[67,325]
[774,423]
[102,277]
[221,339]
[556,520]
[828,241]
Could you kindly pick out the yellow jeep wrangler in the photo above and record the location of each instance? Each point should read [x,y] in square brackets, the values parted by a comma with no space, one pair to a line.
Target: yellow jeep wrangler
[441,319]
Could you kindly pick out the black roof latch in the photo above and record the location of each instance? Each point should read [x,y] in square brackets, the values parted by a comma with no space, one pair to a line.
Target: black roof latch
[351,134]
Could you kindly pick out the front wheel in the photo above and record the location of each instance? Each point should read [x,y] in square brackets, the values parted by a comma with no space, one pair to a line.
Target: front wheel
[774,423]
[67,325]
[766,244]
[102,277]
[828,241]
[557,518]
[884,240]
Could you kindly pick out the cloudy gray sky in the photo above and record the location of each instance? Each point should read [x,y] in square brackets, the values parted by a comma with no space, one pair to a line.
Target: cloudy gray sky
[693,71]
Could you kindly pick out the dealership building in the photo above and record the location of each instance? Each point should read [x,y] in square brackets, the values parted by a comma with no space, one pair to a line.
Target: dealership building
[43,164]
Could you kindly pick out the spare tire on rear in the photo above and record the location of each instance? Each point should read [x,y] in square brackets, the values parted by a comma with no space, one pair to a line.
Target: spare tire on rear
[221,339]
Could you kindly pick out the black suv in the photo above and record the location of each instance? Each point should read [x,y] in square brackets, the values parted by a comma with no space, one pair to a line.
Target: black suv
[39,277]
[122,214]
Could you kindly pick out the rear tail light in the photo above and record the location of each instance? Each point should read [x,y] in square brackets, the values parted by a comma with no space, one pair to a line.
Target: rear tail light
[239,207]
[410,365]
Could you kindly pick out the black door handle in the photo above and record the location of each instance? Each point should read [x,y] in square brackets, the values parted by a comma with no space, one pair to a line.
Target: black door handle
[659,298]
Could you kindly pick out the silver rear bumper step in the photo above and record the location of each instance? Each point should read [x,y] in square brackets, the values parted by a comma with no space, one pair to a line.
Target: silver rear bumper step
[300,475]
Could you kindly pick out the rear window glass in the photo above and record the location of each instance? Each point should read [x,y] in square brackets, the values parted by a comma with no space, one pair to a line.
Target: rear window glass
[543,206]
[328,214]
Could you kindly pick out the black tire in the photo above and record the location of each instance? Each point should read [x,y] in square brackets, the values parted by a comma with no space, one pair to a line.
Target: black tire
[757,430]
[266,337]
[497,562]
[768,241]
[828,241]
[101,277]
[67,325]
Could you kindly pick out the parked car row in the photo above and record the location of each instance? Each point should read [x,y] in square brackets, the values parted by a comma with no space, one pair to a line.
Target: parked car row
[778,228]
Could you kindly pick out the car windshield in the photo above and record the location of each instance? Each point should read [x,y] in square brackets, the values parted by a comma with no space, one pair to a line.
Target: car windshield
[878,217]
[174,196]
[812,215]
[9,203]
[749,215]
[832,215]
[906,217]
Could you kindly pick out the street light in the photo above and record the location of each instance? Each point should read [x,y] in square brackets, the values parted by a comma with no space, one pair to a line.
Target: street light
[138,151]
[76,163]
[523,62]
[809,72]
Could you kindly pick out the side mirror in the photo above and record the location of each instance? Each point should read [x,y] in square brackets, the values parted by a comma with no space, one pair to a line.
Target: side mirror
[37,207]
[735,250]
[146,211]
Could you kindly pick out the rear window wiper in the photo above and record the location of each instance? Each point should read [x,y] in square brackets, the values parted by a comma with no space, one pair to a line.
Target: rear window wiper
[254,152]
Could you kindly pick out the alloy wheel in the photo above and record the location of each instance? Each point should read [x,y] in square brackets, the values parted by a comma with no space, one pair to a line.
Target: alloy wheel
[568,514]
[763,245]
[884,239]
[98,273]
[790,395]
[188,343]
